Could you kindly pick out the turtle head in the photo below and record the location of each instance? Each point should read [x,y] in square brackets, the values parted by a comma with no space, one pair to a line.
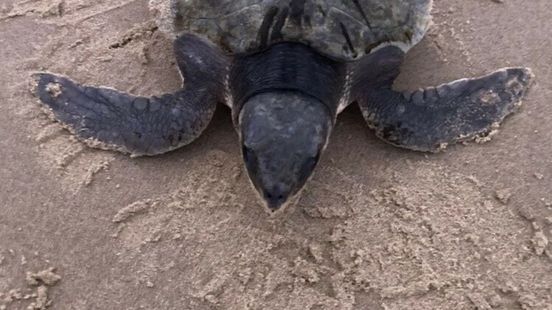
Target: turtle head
[283,135]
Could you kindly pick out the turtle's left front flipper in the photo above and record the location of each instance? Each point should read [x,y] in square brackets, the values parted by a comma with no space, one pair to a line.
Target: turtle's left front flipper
[109,119]
[430,119]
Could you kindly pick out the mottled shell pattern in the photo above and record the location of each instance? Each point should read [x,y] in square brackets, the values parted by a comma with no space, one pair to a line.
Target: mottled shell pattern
[341,29]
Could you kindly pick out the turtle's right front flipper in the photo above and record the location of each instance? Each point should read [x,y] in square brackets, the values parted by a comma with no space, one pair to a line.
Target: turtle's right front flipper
[430,119]
[109,119]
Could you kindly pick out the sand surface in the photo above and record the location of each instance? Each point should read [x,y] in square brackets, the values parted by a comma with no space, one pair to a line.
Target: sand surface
[377,227]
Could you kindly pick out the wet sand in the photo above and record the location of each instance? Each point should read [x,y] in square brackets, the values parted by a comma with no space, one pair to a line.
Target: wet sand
[376,228]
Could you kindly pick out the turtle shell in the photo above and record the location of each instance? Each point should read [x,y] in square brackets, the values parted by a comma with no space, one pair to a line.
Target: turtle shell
[341,29]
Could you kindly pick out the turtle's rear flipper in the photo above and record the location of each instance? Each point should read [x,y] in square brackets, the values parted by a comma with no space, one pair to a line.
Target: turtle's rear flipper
[430,119]
[108,119]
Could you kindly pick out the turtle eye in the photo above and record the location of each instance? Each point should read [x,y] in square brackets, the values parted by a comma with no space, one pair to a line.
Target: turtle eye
[308,166]
[252,164]
[313,161]
[246,153]
[249,157]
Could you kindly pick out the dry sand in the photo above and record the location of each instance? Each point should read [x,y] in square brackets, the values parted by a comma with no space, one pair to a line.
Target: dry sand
[377,228]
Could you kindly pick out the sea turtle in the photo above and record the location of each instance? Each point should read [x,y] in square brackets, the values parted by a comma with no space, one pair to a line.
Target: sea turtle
[286,69]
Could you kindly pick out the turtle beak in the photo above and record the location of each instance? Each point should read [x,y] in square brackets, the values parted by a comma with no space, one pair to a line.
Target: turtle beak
[278,176]
[283,135]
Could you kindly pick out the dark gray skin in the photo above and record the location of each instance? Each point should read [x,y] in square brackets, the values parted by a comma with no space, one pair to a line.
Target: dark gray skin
[283,135]
[285,100]
[111,120]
